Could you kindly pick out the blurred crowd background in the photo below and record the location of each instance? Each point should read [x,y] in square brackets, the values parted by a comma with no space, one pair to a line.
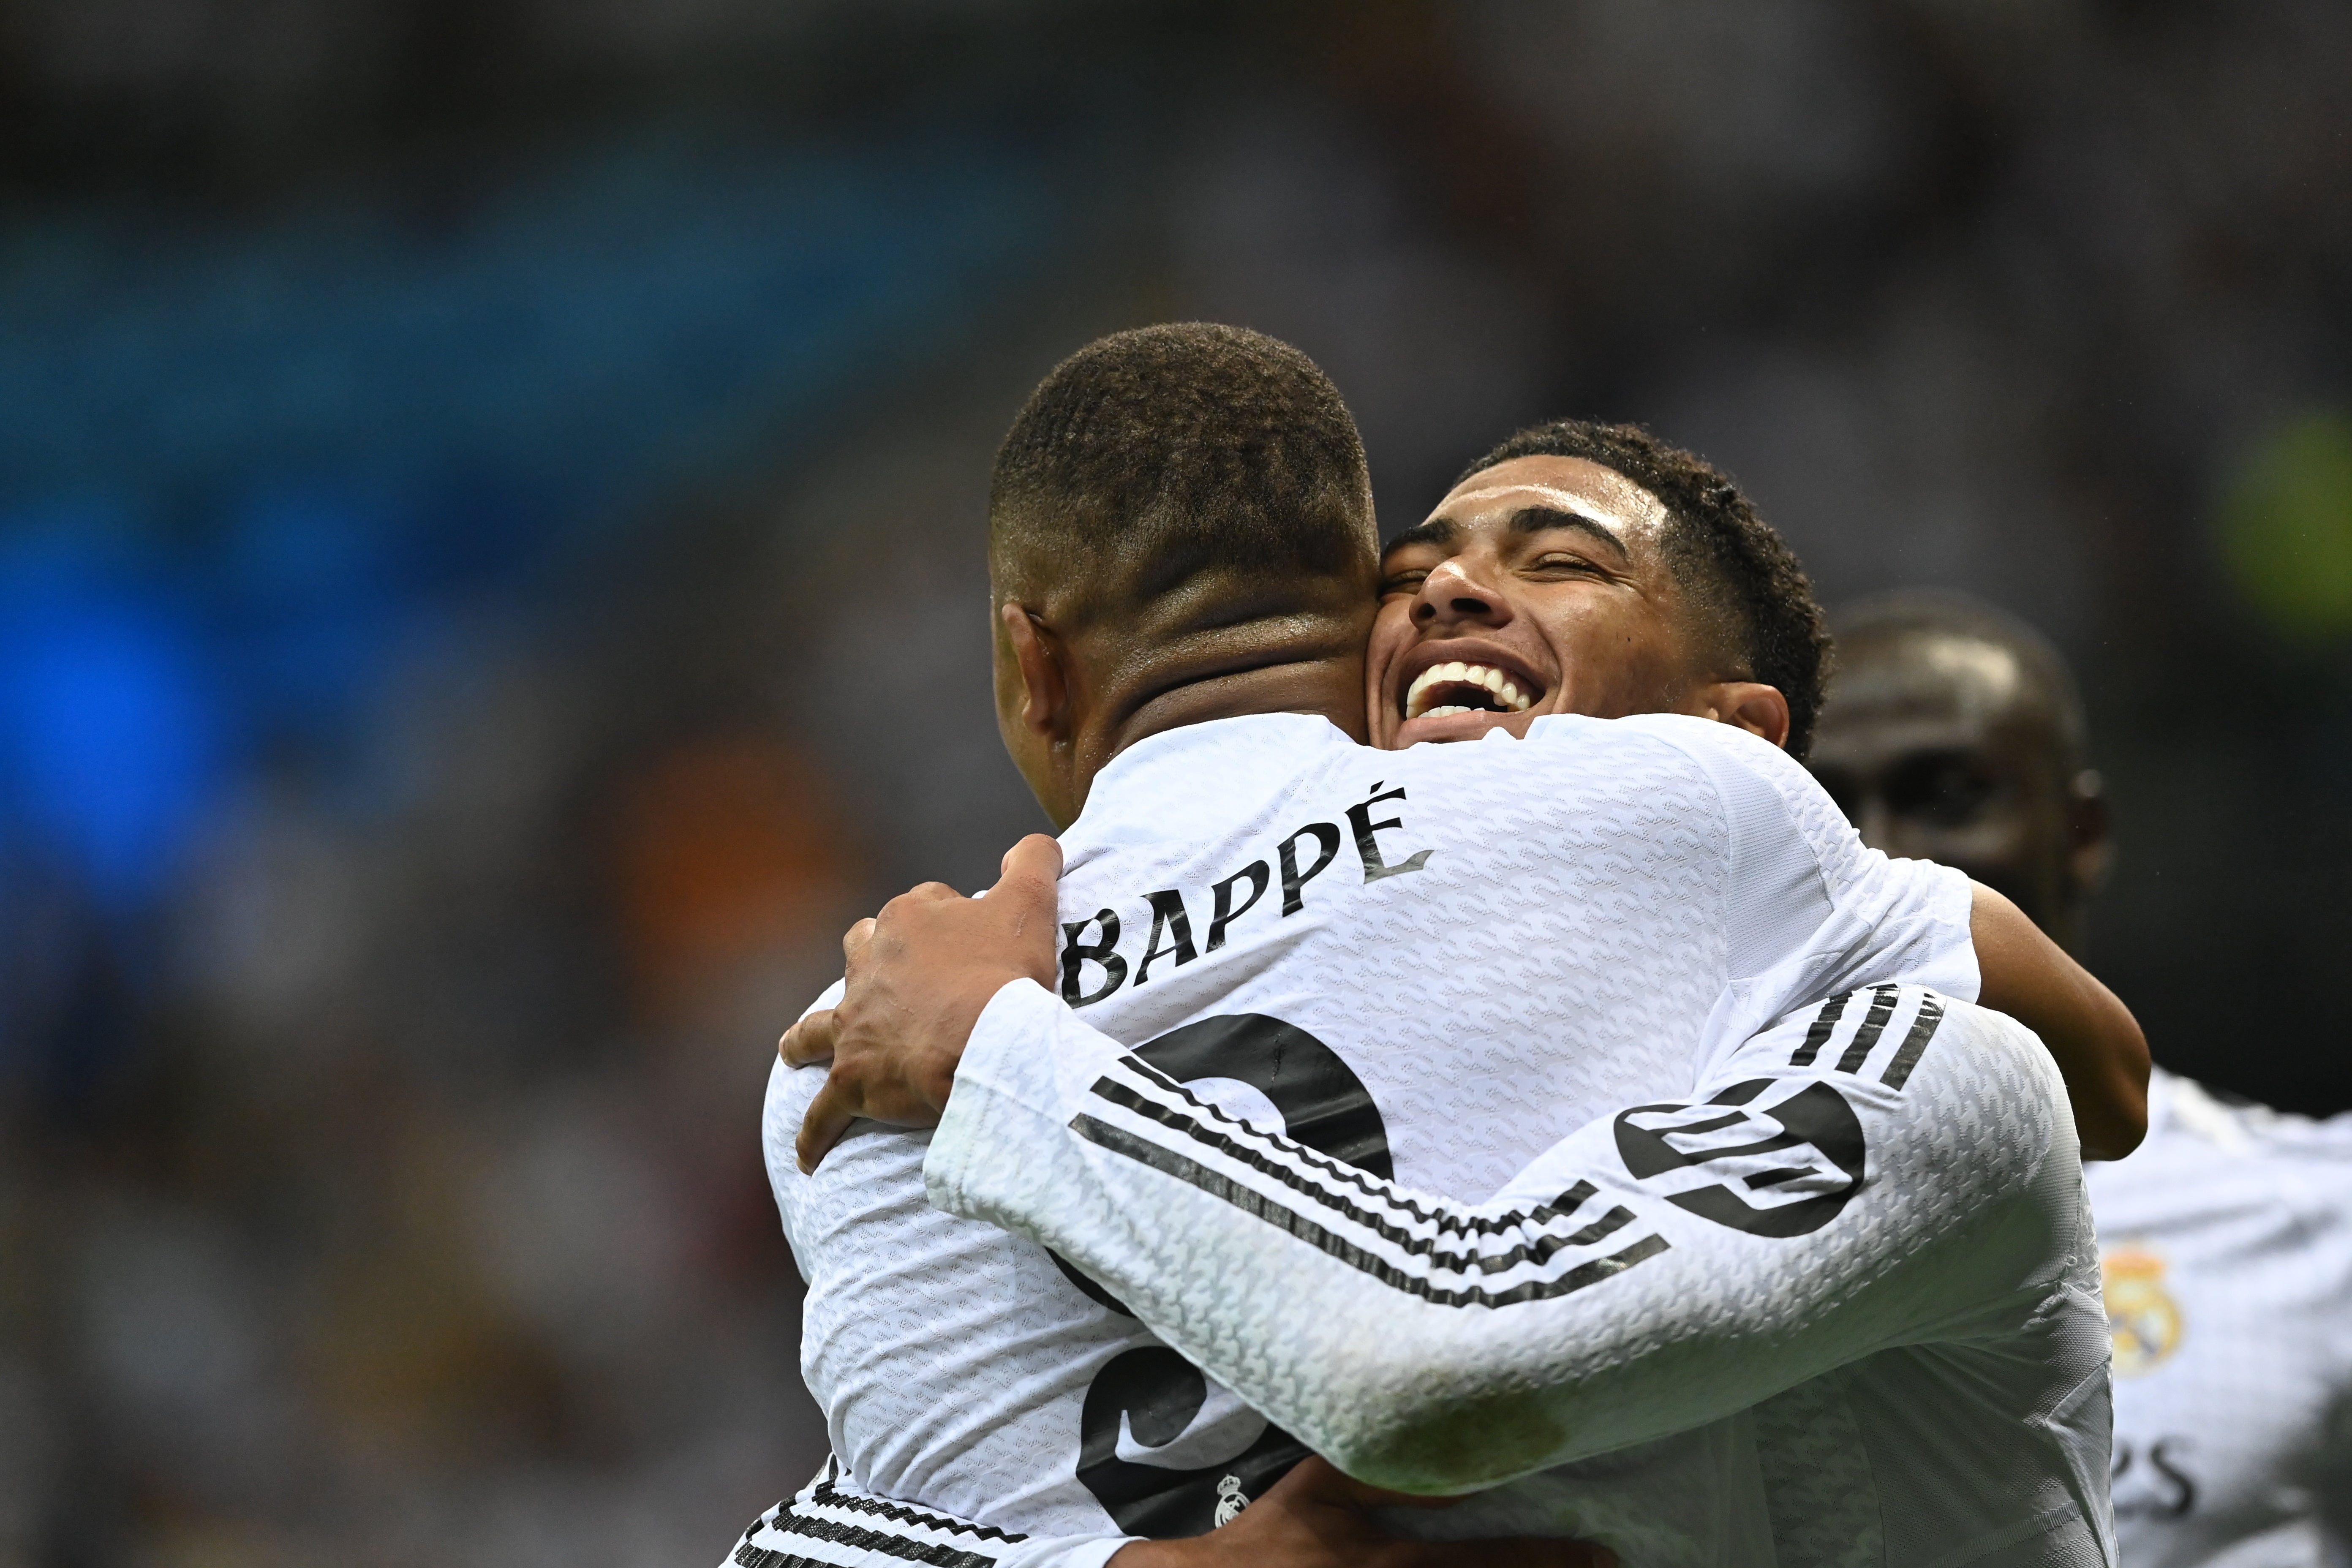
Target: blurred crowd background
[490,583]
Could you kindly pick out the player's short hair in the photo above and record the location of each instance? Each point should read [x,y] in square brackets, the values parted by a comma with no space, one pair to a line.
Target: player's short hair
[1741,575]
[1154,457]
[2050,696]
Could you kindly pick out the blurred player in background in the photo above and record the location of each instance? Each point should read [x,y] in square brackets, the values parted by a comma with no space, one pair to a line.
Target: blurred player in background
[1955,734]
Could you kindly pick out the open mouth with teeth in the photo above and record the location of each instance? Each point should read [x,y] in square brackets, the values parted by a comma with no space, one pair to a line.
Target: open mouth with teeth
[1459,688]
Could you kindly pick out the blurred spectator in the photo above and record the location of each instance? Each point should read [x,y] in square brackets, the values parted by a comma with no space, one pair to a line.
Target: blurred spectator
[489,579]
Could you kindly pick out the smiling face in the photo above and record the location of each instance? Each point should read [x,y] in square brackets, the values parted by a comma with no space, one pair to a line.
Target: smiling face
[1539,585]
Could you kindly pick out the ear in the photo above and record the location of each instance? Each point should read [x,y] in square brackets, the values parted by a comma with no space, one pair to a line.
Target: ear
[1038,668]
[2091,845]
[1756,708]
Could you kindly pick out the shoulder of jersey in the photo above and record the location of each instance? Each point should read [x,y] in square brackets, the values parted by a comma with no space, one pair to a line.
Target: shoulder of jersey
[2245,1127]
[1707,743]
[1711,734]
[1660,734]
[1209,768]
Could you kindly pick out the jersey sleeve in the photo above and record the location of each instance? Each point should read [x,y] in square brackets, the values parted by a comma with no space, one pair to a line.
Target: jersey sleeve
[831,1523]
[789,1089]
[1810,911]
[1888,1168]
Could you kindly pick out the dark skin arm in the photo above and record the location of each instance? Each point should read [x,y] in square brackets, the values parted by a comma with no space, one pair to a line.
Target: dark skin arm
[1316,1518]
[2091,1035]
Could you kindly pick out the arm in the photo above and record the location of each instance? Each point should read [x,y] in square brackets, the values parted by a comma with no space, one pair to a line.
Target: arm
[1903,920]
[1312,1518]
[1316,1518]
[1656,1270]
[2090,1033]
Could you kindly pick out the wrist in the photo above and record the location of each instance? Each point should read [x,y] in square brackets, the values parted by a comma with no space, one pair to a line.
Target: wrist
[1193,1551]
[971,1001]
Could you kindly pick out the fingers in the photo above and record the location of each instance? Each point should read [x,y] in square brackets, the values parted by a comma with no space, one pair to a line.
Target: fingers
[829,1116]
[1029,871]
[854,940]
[809,1040]
[1032,868]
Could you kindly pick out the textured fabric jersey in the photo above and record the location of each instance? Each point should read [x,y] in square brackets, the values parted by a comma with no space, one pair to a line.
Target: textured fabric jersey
[1429,965]
[833,1523]
[1874,1211]
[2226,1240]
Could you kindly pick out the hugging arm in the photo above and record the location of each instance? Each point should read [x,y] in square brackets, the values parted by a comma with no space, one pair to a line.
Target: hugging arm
[1312,1518]
[2091,1035]
[1857,1175]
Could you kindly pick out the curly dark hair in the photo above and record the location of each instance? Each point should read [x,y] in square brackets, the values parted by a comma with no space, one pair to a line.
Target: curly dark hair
[1740,572]
[1154,455]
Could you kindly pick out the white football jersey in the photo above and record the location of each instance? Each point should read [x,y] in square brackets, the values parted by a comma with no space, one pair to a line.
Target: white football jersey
[2226,1243]
[1428,965]
[1866,1228]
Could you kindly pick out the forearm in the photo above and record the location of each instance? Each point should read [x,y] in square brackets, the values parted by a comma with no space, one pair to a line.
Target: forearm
[1430,1345]
[2091,1035]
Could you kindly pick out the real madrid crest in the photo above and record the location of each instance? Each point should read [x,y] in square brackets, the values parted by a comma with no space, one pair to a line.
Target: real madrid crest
[2142,1315]
[1229,1501]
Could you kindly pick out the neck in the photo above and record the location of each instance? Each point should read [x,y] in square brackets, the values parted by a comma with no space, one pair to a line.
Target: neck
[1327,688]
[1321,678]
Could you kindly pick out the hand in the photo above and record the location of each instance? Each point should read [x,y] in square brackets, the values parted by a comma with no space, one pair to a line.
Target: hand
[1316,1518]
[919,974]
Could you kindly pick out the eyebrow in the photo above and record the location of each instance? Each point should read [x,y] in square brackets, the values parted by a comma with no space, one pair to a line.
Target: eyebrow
[1540,519]
[1436,531]
[1528,519]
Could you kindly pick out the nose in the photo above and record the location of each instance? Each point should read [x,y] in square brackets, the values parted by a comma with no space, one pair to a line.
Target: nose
[1452,595]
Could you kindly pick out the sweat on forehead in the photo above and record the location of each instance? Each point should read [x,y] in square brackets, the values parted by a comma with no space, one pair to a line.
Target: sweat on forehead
[1607,500]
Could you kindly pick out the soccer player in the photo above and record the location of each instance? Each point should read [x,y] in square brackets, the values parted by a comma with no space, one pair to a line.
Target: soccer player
[1182,556]
[2226,1239]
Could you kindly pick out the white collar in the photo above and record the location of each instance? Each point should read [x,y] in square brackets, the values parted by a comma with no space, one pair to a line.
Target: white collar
[1244,734]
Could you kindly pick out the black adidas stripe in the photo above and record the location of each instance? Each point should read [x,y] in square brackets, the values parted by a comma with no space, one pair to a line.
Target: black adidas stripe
[830,1496]
[1118,1141]
[1540,1251]
[750,1556]
[1446,1222]
[1873,1024]
[1825,1023]
[1915,1044]
[855,1538]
